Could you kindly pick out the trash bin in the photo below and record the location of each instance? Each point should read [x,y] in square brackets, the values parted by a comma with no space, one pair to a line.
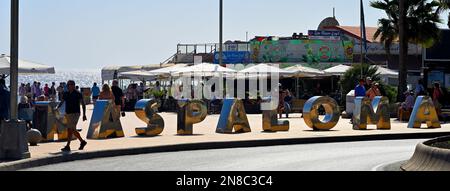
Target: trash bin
[49,122]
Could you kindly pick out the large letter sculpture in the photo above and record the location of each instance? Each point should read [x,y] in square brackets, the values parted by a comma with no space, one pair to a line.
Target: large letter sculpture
[311,113]
[271,122]
[105,122]
[49,121]
[190,113]
[424,111]
[145,110]
[375,112]
[233,116]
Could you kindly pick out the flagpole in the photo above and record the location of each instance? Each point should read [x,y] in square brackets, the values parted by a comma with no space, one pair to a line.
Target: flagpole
[220,32]
[363,37]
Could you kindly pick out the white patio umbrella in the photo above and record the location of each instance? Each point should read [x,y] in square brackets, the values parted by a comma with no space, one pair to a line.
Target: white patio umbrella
[387,72]
[203,69]
[338,70]
[109,72]
[138,75]
[265,69]
[303,71]
[25,67]
[165,72]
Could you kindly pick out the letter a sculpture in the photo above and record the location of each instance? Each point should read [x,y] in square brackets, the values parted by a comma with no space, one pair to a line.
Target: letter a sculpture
[105,122]
[424,111]
[233,116]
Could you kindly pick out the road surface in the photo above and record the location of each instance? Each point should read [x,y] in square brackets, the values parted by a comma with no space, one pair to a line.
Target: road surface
[349,156]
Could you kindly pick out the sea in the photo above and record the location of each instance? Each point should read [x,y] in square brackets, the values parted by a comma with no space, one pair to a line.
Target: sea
[82,78]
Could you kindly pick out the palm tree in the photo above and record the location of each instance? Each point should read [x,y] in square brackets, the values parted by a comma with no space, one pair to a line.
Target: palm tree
[388,30]
[353,75]
[419,21]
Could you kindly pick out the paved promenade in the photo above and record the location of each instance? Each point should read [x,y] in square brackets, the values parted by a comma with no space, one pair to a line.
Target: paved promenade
[205,133]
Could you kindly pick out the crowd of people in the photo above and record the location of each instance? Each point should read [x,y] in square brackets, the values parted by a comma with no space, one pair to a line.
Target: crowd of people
[366,88]
[66,93]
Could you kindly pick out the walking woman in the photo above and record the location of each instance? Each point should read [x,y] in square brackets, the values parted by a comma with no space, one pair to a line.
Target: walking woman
[106,93]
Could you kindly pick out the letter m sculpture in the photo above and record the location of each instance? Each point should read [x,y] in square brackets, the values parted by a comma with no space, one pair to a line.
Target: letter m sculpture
[374,112]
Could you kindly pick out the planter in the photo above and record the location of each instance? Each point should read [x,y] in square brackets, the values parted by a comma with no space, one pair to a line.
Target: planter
[428,157]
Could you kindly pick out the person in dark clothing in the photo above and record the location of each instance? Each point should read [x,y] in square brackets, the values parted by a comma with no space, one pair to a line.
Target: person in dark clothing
[4,101]
[53,92]
[25,111]
[318,90]
[73,100]
[119,98]
[288,103]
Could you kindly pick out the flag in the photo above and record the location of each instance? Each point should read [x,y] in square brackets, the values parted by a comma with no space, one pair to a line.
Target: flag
[363,28]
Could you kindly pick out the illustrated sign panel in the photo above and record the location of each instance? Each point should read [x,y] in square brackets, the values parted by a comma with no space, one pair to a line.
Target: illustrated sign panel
[310,51]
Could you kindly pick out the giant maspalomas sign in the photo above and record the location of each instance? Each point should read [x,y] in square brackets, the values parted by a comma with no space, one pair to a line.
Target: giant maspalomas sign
[105,122]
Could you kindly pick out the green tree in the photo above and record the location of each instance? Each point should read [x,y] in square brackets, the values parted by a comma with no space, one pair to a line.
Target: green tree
[351,79]
[420,26]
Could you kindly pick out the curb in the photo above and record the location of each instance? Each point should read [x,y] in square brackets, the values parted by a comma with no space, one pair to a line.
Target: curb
[428,158]
[36,162]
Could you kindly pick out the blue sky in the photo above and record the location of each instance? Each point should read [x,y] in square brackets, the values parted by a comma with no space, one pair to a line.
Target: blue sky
[91,34]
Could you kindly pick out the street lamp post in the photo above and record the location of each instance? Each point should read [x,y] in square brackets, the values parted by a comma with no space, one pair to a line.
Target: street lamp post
[14,51]
[13,143]
[221,32]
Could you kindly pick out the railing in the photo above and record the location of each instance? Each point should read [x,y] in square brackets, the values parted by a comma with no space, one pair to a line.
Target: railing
[169,59]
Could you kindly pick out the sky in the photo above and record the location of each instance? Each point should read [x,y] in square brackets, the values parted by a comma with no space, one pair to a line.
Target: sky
[92,34]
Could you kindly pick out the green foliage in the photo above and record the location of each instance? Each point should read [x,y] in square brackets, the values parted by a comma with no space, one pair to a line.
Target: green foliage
[351,78]
[420,24]
[157,94]
[421,21]
[153,93]
[391,92]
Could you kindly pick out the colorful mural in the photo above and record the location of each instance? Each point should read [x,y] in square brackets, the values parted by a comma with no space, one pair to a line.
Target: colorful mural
[310,51]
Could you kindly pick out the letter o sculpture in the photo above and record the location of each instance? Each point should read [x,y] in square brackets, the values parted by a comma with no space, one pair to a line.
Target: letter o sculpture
[311,113]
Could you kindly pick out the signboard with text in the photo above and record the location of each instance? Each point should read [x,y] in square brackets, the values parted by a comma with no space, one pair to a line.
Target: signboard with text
[233,57]
[324,35]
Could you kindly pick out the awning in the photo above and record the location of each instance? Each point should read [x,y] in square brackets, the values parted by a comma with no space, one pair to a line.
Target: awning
[303,71]
[203,69]
[265,69]
[25,67]
[340,70]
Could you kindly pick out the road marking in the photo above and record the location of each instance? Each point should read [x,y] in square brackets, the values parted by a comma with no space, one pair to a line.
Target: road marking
[378,167]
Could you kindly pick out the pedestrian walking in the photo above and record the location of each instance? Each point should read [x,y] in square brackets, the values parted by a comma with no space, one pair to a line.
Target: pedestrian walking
[73,100]
[95,90]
